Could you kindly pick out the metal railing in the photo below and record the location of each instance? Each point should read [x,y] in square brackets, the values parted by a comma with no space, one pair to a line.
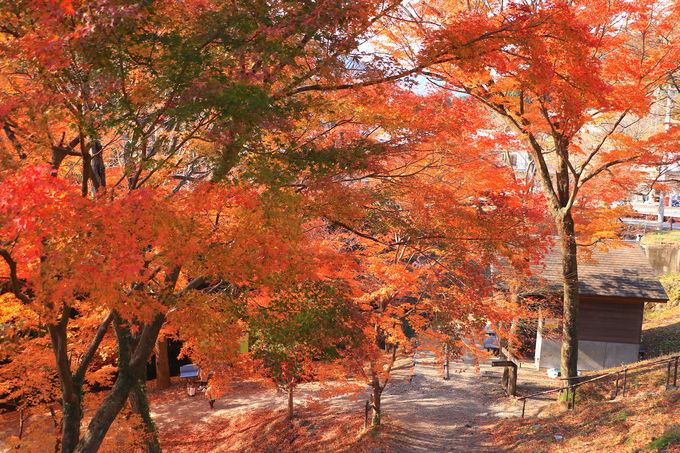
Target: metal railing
[621,374]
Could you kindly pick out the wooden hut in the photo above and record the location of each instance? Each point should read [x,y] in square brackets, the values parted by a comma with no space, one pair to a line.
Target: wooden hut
[614,286]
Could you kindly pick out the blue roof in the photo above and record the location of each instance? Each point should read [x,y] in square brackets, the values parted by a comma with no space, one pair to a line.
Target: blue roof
[186,371]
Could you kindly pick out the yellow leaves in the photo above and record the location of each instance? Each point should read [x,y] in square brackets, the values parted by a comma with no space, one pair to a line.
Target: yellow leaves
[102,375]
[12,310]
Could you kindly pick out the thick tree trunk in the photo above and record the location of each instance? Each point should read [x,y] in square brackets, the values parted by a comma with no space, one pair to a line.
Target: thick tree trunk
[140,405]
[162,365]
[129,372]
[72,412]
[570,303]
[106,414]
[70,426]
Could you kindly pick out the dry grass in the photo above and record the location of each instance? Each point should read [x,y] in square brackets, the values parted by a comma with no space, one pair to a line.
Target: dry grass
[661,331]
[647,422]
[661,237]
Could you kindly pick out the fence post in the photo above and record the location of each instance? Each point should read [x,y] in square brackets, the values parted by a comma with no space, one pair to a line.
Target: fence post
[675,374]
[368,406]
[668,375]
[625,378]
[616,390]
[524,405]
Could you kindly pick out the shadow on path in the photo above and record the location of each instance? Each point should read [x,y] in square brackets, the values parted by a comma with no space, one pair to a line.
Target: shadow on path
[442,416]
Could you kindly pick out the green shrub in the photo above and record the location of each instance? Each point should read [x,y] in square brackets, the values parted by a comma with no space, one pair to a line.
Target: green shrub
[671,436]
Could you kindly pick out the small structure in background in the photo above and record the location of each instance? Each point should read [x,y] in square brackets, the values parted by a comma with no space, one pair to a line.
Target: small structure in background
[614,286]
[189,373]
[491,341]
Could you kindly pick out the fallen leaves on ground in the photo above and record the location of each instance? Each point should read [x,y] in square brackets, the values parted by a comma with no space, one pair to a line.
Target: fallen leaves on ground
[647,422]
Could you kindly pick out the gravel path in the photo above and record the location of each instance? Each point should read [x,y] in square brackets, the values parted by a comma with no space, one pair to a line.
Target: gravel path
[436,415]
[425,412]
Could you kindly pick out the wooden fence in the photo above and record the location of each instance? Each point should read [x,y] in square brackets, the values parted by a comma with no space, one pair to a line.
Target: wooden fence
[620,378]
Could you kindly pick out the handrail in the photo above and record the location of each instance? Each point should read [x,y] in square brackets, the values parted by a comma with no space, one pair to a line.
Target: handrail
[625,370]
[634,366]
[600,376]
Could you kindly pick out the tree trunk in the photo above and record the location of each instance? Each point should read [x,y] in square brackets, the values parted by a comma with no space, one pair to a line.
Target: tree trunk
[106,414]
[162,365]
[129,372]
[22,421]
[57,428]
[446,362]
[661,214]
[72,412]
[570,303]
[290,402]
[140,405]
[70,426]
[375,404]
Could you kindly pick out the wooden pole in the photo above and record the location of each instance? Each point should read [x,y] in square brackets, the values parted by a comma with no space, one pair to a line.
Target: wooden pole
[366,411]
[512,380]
[616,389]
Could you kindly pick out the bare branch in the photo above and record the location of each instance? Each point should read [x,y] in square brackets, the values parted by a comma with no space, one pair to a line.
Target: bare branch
[13,278]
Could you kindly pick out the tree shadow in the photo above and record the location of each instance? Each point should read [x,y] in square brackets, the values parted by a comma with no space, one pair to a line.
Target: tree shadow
[662,340]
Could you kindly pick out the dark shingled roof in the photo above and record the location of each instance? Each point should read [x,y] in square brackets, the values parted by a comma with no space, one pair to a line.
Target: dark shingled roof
[621,272]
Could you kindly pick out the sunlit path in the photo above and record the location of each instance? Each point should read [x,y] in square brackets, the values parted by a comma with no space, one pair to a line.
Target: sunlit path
[438,415]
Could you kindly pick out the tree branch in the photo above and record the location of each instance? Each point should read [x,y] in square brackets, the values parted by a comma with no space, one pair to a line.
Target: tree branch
[13,278]
[94,344]
[606,166]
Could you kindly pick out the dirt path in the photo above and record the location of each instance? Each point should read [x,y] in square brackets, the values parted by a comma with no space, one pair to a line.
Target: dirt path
[178,411]
[435,415]
[422,411]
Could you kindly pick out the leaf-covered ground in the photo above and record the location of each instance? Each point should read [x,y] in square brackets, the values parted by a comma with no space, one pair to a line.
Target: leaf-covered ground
[267,430]
[647,422]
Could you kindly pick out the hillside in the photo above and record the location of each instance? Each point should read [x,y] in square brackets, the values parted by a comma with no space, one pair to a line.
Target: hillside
[647,420]
[661,331]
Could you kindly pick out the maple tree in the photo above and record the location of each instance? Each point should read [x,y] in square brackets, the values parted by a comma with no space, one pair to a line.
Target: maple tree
[393,243]
[566,78]
[130,250]
[298,334]
[424,220]
[366,208]
[143,85]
